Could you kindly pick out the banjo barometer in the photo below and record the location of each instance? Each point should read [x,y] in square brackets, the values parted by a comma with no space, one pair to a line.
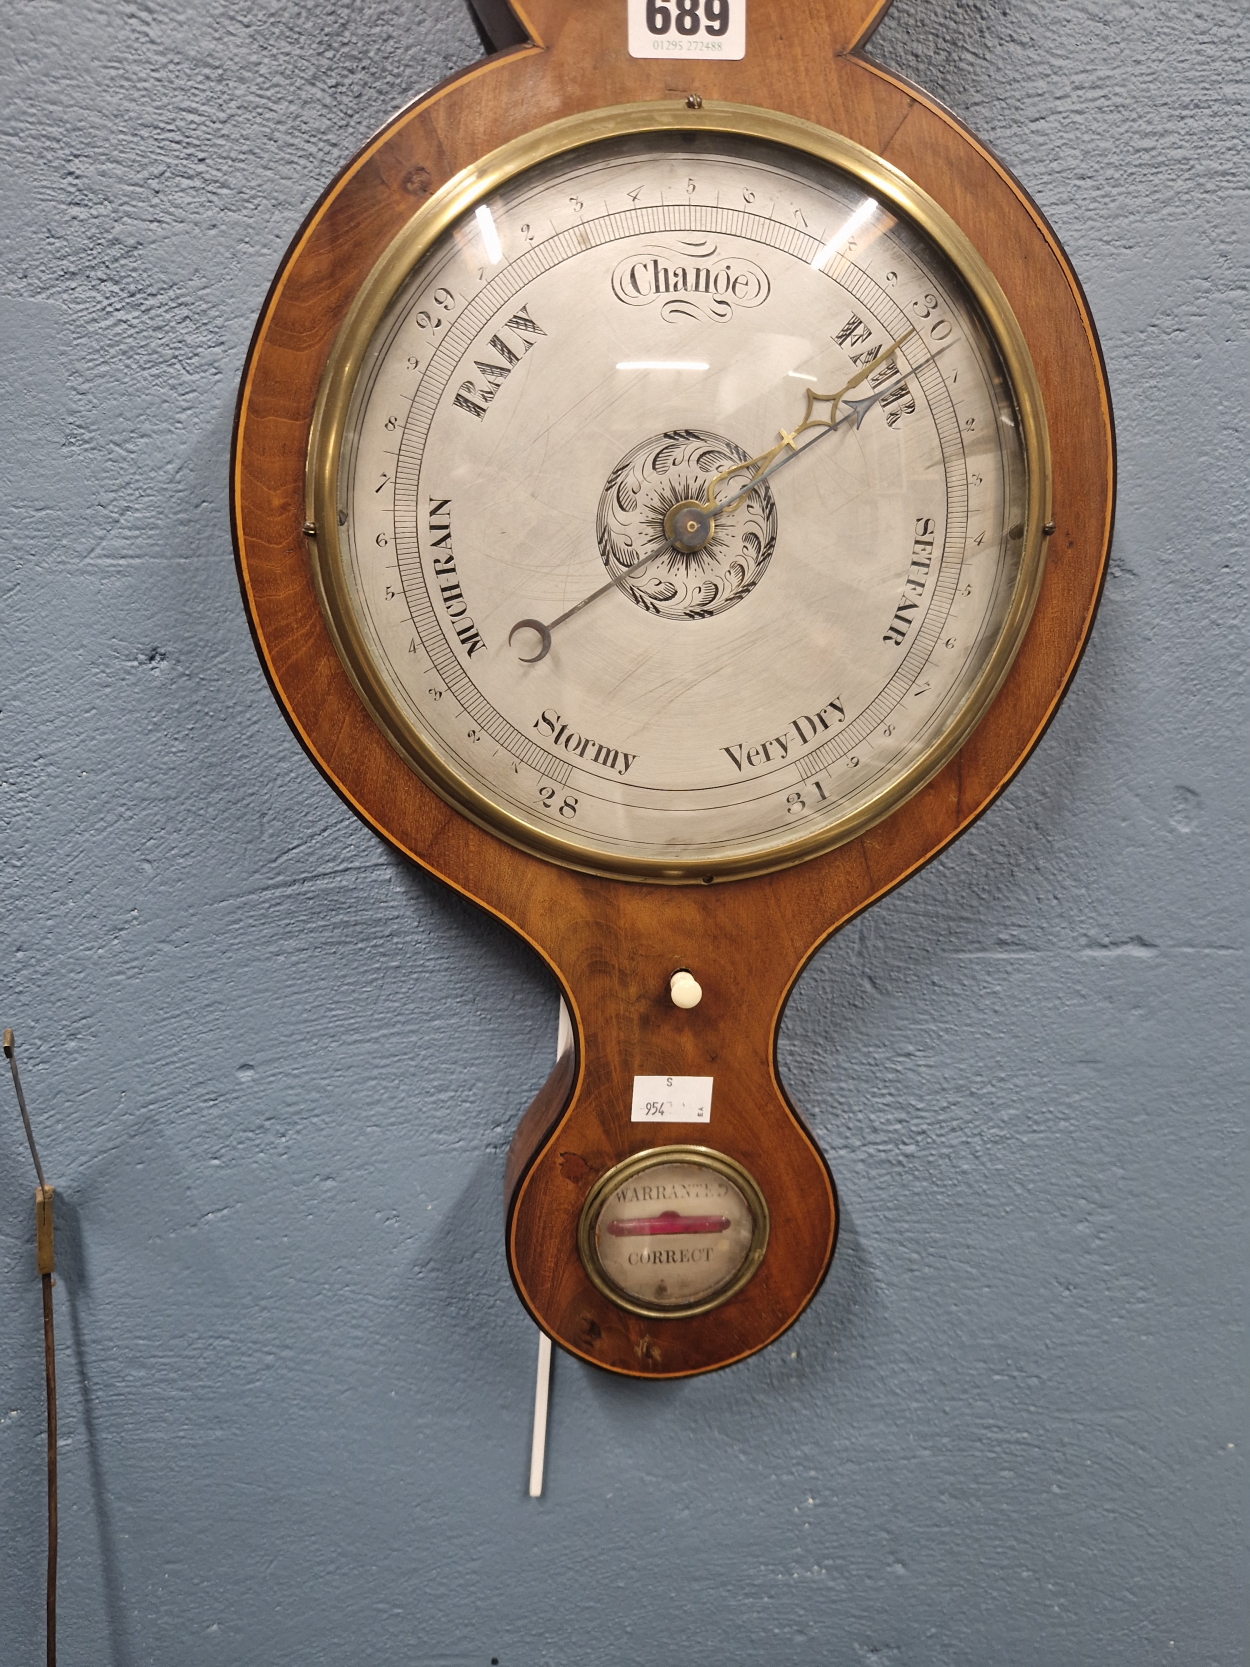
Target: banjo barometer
[671,493]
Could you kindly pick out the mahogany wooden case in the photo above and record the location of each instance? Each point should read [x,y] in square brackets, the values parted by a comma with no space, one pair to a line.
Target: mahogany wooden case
[613,943]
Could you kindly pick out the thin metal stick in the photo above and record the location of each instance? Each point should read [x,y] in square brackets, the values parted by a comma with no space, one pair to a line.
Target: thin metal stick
[10,1053]
[45,1253]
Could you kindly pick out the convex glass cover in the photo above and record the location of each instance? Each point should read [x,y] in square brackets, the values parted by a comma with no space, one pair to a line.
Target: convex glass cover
[570,540]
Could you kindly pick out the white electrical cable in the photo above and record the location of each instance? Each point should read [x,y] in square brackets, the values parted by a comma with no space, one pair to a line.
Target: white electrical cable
[542,1386]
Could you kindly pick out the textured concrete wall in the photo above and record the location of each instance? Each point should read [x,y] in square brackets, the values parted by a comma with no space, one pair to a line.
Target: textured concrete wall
[275,1070]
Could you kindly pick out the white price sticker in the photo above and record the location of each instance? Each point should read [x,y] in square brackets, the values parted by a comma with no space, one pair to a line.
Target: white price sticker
[687,28]
[672,1100]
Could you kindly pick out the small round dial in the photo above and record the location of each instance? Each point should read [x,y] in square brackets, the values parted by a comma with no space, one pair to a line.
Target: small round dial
[678,494]
[674,1231]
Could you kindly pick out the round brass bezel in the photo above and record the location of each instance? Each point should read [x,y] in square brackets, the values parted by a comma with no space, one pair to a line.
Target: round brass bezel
[652,1158]
[347,355]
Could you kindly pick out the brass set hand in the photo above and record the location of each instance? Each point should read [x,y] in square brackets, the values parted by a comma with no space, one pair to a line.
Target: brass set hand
[761,465]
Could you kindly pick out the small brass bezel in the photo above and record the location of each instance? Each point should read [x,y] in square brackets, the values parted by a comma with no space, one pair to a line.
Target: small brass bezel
[347,356]
[653,1158]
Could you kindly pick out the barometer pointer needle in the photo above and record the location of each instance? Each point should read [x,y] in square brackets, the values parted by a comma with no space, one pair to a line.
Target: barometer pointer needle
[859,409]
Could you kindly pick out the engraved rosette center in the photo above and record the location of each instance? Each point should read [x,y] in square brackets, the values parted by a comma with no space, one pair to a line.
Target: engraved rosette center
[641,493]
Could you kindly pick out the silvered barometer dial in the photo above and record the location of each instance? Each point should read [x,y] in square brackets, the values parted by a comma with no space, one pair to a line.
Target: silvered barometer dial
[678,494]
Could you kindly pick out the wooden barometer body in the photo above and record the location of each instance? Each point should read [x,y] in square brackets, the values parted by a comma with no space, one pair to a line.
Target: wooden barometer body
[525,585]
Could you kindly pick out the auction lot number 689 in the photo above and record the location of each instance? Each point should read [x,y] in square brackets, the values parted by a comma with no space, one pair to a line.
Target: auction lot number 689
[689,28]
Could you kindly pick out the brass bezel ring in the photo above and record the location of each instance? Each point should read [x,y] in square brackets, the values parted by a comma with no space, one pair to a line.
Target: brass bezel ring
[347,356]
[652,1158]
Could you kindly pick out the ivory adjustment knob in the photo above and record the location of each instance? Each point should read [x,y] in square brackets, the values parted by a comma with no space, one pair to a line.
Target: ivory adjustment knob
[685,989]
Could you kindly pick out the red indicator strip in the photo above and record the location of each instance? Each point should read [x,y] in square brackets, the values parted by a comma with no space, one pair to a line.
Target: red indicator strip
[668,1221]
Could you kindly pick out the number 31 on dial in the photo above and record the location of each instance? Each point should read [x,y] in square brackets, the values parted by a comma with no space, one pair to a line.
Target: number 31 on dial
[687,28]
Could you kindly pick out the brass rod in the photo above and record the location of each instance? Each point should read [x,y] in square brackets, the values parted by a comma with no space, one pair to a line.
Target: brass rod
[49,1367]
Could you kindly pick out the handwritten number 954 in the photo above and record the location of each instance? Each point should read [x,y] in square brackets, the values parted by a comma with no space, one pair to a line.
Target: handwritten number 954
[714,18]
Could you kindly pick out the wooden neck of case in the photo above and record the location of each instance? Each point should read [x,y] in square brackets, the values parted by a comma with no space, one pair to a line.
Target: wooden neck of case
[618,963]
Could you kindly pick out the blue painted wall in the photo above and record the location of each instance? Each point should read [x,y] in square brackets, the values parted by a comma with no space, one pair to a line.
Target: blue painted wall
[275,1071]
